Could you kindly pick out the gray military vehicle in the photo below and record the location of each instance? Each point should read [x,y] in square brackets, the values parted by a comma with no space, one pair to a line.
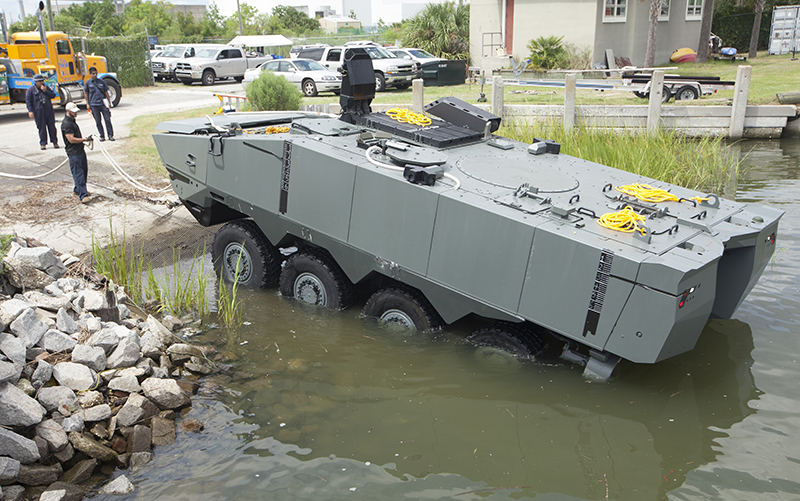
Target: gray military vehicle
[443,220]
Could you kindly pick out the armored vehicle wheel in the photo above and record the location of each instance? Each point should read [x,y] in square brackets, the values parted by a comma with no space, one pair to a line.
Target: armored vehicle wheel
[380,82]
[402,310]
[242,243]
[309,88]
[686,93]
[313,277]
[114,91]
[514,339]
[208,78]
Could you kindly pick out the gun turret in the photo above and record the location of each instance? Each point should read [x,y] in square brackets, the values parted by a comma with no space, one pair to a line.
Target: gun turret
[358,84]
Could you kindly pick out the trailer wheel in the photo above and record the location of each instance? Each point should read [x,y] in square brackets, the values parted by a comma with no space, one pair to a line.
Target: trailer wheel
[666,95]
[312,276]
[642,95]
[686,93]
[241,243]
[514,339]
[402,310]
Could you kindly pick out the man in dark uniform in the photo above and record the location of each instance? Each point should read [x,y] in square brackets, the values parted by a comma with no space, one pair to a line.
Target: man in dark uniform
[40,108]
[73,145]
[96,90]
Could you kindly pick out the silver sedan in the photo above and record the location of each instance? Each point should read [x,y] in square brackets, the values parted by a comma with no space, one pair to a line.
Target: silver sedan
[309,76]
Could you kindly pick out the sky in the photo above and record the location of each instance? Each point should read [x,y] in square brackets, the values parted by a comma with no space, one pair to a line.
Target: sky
[388,10]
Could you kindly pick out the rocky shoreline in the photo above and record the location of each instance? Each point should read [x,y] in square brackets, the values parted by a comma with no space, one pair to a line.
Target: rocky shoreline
[87,386]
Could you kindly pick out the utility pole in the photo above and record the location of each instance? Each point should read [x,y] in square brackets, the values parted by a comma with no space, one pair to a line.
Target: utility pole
[50,17]
[21,10]
[239,10]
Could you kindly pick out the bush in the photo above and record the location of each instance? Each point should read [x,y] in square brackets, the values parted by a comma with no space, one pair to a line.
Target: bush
[547,52]
[271,92]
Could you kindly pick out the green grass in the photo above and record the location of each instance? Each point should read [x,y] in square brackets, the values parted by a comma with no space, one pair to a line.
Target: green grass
[5,243]
[700,164]
[229,312]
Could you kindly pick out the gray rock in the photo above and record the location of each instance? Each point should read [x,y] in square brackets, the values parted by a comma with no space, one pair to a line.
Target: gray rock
[65,323]
[126,354]
[28,328]
[139,459]
[44,449]
[26,387]
[62,491]
[46,301]
[73,424]
[120,485]
[149,338]
[65,454]
[12,347]
[163,430]
[90,398]
[92,300]
[14,493]
[128,384]
[93,325]
[37,474]
[91,447]
[80,472]
[159,373]
[9,469]
[41,258]
[42,374]
[105,338]
[18,409]
[69,284]
[24,276]
[157,328]
[185,349]
[165,393]
[9,373]
[74,376]
[18,447]
[93,357]
[141,439]
[136,410]
[197,367]
[55,341]
[97,413]
[146,365]
[54,397]
[124,311]
[171,323]
[33,353]
[52,433]
[54,289]
[13,307]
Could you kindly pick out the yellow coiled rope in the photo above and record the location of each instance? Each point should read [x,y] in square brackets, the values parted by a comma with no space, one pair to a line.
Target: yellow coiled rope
[268,130]
[647,193]
[405,116]
[625,220]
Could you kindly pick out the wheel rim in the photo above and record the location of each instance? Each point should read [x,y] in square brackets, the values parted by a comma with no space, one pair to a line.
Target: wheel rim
[377,83]
[208,78]
[112,94]
[397,321]
[687,95]
[309,87]
[233,255]
[308,288]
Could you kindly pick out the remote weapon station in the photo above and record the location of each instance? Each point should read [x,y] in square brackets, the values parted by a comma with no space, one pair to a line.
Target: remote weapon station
[440,219]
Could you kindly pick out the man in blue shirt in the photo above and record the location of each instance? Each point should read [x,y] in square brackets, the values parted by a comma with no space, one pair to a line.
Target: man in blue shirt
[96,90]
[40,108]
[73,145]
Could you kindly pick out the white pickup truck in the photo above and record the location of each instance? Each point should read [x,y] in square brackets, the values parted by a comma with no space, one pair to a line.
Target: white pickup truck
[217,62]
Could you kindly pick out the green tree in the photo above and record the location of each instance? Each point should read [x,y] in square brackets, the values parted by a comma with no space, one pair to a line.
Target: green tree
[271,92]
[547,52]
[442,29]
[288,20]
[145,15]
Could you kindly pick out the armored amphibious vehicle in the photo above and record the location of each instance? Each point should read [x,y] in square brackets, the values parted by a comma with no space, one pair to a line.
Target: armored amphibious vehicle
[439,219]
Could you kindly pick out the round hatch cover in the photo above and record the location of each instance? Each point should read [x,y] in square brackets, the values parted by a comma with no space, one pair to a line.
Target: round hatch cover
[510,173]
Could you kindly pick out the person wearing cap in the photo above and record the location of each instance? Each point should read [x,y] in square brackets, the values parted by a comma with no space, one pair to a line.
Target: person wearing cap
[40,109]
[96,90]
[73,145]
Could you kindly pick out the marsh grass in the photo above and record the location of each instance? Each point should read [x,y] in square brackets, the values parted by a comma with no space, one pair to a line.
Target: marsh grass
[700,164]
[120,264]
[180,291]
[229,313]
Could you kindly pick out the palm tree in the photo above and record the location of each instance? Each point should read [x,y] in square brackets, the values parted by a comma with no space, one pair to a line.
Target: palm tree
[759,9]
[441,29]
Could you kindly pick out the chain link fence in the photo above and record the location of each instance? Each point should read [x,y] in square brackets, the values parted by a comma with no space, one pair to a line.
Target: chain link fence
[128,57]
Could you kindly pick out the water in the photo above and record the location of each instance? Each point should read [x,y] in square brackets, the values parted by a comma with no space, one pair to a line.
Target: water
[323,406]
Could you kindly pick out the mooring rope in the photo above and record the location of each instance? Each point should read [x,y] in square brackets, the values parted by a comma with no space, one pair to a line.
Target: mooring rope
[626,220]
[647,193]
[406,116]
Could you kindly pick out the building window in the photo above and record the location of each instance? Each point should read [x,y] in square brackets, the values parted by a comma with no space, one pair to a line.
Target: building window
[694,10]
[615,11]
[663,14]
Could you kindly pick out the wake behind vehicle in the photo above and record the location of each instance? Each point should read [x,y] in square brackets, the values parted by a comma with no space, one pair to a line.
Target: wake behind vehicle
[437,219]
[308,75]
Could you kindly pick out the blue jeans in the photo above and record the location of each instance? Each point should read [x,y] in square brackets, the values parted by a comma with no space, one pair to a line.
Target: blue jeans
[102,113]
[80,171]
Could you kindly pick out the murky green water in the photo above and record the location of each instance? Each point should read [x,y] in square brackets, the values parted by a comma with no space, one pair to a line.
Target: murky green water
[323,406]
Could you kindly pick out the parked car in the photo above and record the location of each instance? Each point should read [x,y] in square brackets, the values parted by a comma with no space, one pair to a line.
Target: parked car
[389,70]
[309,76]
[419,55]
[212,63]
[164,64]
[297,48]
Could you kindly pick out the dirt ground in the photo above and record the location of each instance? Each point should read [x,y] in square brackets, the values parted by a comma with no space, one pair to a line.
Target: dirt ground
[47,209]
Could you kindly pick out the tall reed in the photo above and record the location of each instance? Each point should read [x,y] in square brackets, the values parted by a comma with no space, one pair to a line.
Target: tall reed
[114,262]
[701,164]
[228,311]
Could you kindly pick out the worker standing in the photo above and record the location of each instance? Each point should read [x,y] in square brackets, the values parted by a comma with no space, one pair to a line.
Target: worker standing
[96,90]
[73,143]
[40,109]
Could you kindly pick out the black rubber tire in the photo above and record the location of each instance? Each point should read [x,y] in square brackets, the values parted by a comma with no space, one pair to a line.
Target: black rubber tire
[666,95]
[642,95]
[320,281]
[238,79]
[514,339]
[208,78]
[174,78]
[158,78]
[404,308]
[309,88]
[114,91]
[260,262]
[380,82]
[336,92]
[403,86]
[686,93]
[186,82]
